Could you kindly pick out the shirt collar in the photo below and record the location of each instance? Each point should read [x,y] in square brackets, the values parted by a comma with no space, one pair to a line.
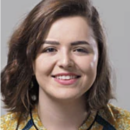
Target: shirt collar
[89,121]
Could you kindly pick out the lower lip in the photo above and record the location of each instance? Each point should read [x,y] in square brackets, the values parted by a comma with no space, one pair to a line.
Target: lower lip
[66,82]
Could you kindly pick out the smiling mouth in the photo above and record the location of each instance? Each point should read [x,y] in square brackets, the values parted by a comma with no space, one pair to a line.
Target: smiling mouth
[66,77]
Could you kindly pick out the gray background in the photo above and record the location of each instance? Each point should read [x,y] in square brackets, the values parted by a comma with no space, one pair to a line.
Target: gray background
[115,15]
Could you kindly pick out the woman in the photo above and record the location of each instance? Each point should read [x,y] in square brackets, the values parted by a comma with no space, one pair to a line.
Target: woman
[58,76]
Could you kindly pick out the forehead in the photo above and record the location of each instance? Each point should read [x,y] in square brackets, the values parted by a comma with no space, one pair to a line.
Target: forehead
[73,27]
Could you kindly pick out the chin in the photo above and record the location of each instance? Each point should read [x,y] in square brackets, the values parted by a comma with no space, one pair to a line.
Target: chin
[65,96]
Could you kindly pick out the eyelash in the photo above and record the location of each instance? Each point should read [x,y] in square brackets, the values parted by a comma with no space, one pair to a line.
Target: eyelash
[82,50]
[51,49]
[46,50]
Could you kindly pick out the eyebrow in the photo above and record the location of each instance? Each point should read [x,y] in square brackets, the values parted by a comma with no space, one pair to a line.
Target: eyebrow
[72,43]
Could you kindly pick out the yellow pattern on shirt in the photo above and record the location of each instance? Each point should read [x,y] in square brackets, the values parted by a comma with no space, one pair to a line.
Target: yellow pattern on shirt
[117,117]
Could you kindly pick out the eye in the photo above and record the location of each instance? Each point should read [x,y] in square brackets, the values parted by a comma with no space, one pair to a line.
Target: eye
[81,50]
[50,49]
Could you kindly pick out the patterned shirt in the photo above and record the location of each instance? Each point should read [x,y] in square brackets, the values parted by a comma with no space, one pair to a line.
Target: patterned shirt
[109,118]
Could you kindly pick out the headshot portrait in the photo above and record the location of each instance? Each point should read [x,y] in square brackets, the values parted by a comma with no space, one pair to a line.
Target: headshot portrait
[65,65]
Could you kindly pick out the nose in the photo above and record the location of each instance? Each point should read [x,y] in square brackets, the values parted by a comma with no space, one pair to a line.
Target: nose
[65,60]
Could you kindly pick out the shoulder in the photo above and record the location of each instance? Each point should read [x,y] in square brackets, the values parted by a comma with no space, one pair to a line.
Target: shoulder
[117,117]
[119,114]
[9,121]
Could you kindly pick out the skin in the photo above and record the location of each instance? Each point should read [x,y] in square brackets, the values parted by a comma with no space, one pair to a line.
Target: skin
[62,106]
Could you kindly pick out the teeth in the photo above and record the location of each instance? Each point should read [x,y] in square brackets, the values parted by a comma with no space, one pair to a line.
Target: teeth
[66,77]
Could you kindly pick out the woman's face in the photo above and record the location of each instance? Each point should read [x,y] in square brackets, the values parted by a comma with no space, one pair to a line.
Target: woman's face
[66,65]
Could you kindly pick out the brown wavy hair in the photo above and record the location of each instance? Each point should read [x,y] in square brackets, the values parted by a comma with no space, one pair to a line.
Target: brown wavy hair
[17,76]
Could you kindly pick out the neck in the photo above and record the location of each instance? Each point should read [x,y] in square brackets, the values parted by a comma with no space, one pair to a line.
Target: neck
[61,114]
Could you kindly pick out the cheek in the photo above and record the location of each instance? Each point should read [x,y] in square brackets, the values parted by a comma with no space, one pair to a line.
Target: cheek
[43,66]
[87,64]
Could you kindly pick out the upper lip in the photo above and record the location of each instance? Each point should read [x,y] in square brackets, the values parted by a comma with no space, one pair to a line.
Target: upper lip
[65,74]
